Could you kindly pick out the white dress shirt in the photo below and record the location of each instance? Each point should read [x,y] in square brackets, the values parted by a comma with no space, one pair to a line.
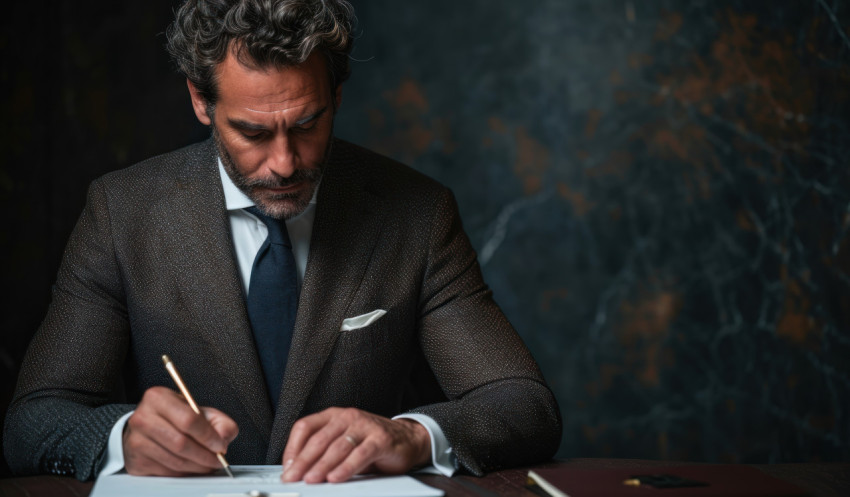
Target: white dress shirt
[249,233]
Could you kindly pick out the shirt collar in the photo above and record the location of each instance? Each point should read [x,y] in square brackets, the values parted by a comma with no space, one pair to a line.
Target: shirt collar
[235,199]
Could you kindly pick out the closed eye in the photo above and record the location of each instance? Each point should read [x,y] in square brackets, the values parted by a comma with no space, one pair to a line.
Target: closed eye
[252,136]
[248,130]
[303,129]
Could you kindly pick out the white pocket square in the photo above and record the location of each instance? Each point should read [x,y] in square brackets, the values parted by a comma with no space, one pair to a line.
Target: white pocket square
[362,320]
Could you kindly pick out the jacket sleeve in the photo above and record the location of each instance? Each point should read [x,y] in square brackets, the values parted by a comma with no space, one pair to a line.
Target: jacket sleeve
[500,412]
[64,404]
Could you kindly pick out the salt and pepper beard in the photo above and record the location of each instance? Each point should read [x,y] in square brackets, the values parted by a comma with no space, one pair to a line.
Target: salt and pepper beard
[276,205]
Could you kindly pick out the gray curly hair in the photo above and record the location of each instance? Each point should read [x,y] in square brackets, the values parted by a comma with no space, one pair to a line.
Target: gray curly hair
[263,33]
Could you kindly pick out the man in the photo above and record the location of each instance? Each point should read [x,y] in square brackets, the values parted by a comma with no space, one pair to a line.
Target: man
[357,336]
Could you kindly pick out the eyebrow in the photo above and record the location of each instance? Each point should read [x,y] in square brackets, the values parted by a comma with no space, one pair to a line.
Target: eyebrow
[249,126]
[311,117]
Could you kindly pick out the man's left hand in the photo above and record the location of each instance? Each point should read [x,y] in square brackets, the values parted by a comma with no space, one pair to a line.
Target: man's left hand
[338,443]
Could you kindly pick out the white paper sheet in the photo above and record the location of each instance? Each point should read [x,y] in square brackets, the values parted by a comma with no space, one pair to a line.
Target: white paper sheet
[256,478]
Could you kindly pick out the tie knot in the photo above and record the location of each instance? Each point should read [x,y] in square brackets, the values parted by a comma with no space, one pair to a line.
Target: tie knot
[278,234]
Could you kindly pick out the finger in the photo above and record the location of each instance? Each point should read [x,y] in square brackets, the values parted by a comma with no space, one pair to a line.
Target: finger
[162,433]
[188,422]
[169,405]
[358,460]
[301,431]
[155,459]
[313,449]
[178,443]
[159,435]
[338,450]
[223,424]
[145,466]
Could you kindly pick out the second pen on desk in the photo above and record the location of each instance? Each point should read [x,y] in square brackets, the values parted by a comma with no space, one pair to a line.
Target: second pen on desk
[185,391]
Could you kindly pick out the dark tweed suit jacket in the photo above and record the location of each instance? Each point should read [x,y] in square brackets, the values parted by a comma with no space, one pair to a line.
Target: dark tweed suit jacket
[150,270]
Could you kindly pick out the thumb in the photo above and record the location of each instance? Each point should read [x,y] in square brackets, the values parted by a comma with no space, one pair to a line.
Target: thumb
[223,425]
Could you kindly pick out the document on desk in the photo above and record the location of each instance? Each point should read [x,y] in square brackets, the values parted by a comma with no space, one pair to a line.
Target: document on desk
[256,481]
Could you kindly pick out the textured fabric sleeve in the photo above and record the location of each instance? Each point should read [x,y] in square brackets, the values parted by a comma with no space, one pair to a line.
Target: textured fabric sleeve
[500,412]
[64,404]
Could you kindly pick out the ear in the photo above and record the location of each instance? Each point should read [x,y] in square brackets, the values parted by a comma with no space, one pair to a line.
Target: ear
[199,104]
[337,97]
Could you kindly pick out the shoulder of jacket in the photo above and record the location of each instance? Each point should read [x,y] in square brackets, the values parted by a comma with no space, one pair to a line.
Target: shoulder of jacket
[166,167]
[384,174]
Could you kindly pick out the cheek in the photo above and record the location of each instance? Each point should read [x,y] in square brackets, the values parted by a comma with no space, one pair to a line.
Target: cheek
[311,150]
[246,156]
[246,159]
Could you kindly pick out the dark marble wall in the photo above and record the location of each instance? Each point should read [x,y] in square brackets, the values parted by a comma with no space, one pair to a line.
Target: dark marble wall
[659,195]
[658,191]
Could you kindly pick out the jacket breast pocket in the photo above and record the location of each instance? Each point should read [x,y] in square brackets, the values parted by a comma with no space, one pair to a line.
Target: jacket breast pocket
[374,335]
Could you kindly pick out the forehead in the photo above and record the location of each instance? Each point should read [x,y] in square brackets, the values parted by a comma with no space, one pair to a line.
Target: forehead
[271,89]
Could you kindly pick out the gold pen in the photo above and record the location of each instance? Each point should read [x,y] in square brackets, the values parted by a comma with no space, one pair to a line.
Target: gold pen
[182,386]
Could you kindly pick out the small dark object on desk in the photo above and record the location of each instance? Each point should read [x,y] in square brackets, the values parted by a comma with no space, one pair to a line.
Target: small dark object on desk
[732,480]
[662,481]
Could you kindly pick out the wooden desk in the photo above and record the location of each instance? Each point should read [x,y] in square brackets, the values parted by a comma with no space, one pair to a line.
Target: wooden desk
[819,479]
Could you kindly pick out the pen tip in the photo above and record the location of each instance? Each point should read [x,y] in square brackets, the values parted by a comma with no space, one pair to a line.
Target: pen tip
[229,473]
[165,359]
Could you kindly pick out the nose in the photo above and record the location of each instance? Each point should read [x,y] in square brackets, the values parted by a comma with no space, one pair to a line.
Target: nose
[281,158]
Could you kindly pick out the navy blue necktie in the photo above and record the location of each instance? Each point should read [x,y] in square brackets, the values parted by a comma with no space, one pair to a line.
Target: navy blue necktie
[273,301]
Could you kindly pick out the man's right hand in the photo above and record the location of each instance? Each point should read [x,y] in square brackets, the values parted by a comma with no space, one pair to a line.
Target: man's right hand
[164,436]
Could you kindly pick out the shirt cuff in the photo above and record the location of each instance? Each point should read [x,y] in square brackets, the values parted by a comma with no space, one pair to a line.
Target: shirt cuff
[442,456]
[113,460]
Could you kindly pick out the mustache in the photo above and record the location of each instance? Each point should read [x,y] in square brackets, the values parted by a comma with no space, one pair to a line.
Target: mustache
[299,176]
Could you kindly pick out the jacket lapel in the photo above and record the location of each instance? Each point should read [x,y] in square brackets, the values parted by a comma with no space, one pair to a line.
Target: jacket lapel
[345,230]
[209,279]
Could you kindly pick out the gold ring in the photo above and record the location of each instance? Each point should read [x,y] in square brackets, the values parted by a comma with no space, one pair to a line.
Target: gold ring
[351,440]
